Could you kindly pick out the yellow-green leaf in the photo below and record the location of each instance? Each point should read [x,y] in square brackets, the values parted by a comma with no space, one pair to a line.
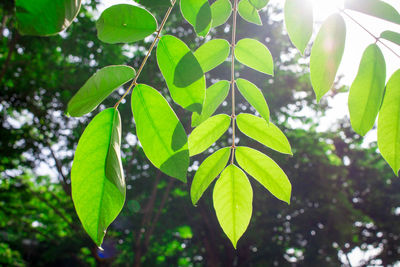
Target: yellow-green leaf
[248,12]
[255,55]
[393,37]
[197,13]
[376,8]
[212,54]
[221,10]
[259,3]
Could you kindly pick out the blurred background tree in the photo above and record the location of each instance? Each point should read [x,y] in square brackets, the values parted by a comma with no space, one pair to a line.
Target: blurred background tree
[345,197]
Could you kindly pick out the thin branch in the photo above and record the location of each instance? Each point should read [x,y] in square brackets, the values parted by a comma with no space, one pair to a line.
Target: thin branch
[377,39]
[233,44]
[134,82]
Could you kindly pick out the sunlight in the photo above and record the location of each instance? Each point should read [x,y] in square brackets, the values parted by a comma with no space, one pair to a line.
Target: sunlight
[323,8]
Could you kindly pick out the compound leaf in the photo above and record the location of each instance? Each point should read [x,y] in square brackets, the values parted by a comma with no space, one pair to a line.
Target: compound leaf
[211,167]
[207,133]
[160,133]
[265,171]
[233,202]
[215,95]
[198,14]
[389,123]
[366,92]
[125,23]
[254,96]
[248,12]
[267,134]
[182,72]
[97,178]
[221,10]
[98,88]
[212,54]
[326,54]
[255,55]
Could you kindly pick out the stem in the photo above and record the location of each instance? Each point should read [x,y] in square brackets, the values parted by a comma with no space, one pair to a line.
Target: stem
[134,82]
[377,39]
[233,43]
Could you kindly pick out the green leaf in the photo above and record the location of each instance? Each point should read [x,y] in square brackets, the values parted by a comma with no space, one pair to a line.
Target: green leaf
[265,171]
[215,95]
[255,55]
[97,178]
[207,133]
[182,72]
[45,17]
[375,8]
[197,13]
[221,10]
[208,171]
[212,54]
[259,3]
[389,124]
[233,202]
[248,12]
[299,22]
[254,96]
[125,23]
[267,134]
[366,92]
[393,37]
[98,88]
[326,54]
[154,3]
[160,132]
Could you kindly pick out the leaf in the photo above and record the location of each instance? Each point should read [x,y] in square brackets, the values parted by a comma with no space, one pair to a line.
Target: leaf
[125,23]
[233,202]
[45,17]
[182,72]
[160,132]
[221,10]
[97,178]
[267,134]
[198,14]
[208,171]
[212,54]
[393,37]
[374,8]
[389,124]
[248,12]
[98,88]
[366,92]
[207,133]
[326,54]
[255,55]
[254,96]
[259,3]
[215,95]
[299,22]
[265,171]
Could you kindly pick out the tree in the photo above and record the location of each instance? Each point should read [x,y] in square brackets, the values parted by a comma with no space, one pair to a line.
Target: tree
[225,142]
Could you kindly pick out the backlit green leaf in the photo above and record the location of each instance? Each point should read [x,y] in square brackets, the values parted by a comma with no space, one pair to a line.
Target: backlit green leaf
[215,95]
[389,124]
[367,90]
[267,134]
[376,8]
[233,202]
[45,17]
[97,178]
[255,55]
[259,3]
[394,37]
[182,72]
[326,54]
[98,88]
[197,13]
[299,22]
[207,133]
[254,96]
[248,12]
[265,171]
[159,131]
[221,10]
[208,171]
[125,23]
[212,54]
